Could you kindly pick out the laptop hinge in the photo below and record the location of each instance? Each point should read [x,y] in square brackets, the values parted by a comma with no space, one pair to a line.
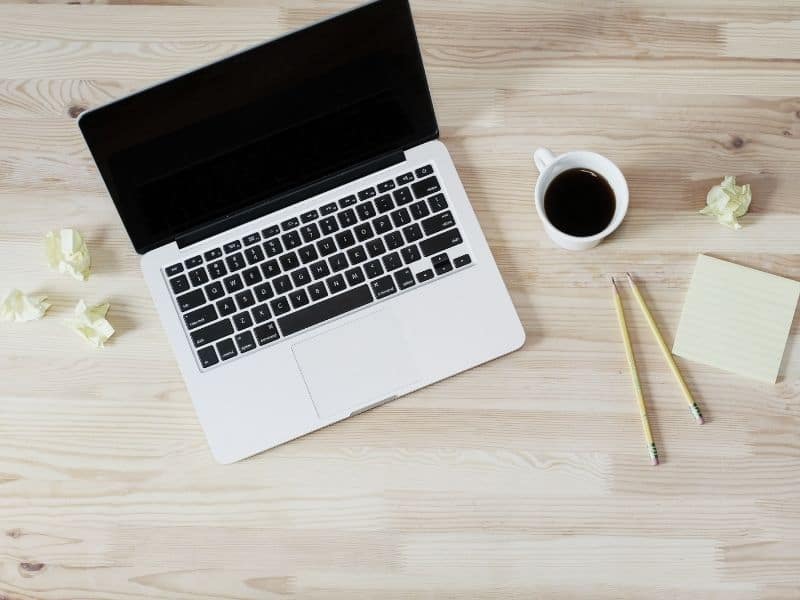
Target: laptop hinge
[288,198]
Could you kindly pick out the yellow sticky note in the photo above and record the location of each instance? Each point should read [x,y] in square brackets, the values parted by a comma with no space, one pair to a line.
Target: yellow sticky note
[736,318]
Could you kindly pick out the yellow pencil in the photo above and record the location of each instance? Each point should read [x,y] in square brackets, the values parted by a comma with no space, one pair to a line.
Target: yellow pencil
[667,354]
[637,387]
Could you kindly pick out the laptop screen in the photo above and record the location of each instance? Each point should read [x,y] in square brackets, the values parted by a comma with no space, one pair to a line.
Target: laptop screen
[244,130]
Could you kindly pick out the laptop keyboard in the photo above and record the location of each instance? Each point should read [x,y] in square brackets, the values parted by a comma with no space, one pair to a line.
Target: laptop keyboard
[326,262]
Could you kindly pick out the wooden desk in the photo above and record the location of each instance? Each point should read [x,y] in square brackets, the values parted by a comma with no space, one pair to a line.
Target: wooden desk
[524,478]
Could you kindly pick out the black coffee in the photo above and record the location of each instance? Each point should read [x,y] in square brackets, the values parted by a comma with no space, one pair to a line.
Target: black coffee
[579,202]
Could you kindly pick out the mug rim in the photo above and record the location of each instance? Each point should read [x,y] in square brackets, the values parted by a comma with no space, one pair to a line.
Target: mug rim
[619,214]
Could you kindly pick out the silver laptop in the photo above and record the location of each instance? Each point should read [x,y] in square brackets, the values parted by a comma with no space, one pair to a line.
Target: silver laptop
[305,236]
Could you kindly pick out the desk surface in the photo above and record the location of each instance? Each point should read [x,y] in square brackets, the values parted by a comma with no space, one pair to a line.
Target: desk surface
[526,477]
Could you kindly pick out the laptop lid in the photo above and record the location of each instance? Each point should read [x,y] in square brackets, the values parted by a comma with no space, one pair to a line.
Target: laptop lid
[245,134]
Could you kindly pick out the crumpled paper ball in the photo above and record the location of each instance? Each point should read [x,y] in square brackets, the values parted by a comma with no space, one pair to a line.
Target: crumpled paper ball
[67,252]
[17,306]
[727,201]
[91,323]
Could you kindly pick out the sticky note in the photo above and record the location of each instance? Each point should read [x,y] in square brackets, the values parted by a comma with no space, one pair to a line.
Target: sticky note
[736,318]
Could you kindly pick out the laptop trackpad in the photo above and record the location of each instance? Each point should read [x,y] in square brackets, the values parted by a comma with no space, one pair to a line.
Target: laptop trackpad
[357,364]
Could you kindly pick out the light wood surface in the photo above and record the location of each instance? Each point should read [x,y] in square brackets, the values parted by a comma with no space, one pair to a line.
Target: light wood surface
[524,478]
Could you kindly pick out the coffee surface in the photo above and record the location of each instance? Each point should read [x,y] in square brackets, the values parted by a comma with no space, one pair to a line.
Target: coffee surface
[580,202]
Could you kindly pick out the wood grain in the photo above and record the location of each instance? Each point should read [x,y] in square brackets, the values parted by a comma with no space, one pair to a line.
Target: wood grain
[524,478]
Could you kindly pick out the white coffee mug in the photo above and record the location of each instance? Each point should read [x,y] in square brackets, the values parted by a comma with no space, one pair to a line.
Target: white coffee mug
[550,166]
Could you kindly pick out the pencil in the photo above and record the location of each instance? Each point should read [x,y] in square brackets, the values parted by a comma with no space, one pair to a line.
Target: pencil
[637,387]
[667,354]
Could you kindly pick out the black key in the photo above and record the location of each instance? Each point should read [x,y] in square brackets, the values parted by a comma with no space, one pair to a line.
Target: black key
[347,218]
[226,349]
[301,277]
[214,290]
[367,193]
[385,186]
[254,254]
[270,268]
[217,269]
[438,223]
[211,333]
[363,232]
[410,254]
[383,287]
[174,269]
[354,276]
[213,254]
[242,321]
[440,242]
[226,306]
[310,232]
[191,300]
[365,211]
[232,246]
[327,209]
[426,187]
[308,253]
[235,261]
[357,255]
[280,305]
[382,224]
[335,283]
[245,341]
[329,225]
[273,247]
[320,269]
[424,171]
[251,276]
[338,262]
[326,246]
[317,291]
[270,231]
[251,239]
[309,216]
[266,333]
[261,313]
[402,196]
[425,275]
[233,283]
[245,299]
[462,260]
[179,284]
[373,268]
[345,239]
[405,178]
[290,223]
[394,240]
[201,316]
[291,240]
[419,209]
[401,217]
[441,264]
[282,284]
[299,298]
[384,203]
[437,202]
[207,356]
[347,201]
[195,261]
[412,233]
[404,278]
[375,247]
[392,261]
[289,261]
[329,308]
[263,291]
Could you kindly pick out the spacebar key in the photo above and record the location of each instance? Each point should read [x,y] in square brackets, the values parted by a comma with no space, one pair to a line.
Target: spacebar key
[325,310]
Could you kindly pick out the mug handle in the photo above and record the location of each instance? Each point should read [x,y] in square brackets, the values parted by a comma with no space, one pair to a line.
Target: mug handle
[543,157]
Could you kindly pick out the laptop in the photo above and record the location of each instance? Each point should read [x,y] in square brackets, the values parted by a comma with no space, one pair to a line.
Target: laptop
[303,232]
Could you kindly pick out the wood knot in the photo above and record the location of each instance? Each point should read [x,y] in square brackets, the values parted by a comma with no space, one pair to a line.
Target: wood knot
[75,110]
[15,533]
[737,142]
[31,567]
